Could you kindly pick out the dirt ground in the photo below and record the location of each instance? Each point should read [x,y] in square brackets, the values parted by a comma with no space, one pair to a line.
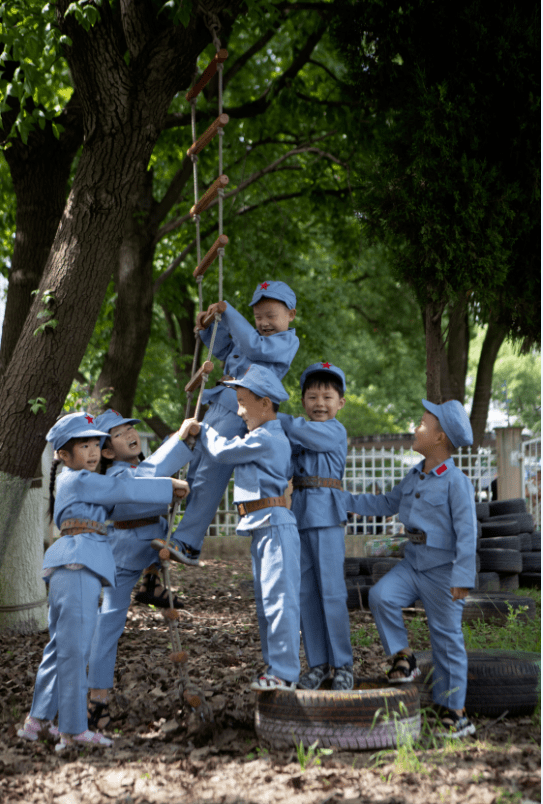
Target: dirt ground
[162,753]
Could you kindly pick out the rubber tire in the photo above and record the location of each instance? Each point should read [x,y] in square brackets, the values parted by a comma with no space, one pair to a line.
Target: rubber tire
[501,560]
[525,522]
[516,505]
[509,583]
[525,542]
[353,597]
[345,720]
[498,680]
[536,540]
[530,580]
[492,607]
[502,543]
[351,567]
[507,527]
[382,567]
[487,582]
[367,564]
[477,562]
[531,562]
[482,510]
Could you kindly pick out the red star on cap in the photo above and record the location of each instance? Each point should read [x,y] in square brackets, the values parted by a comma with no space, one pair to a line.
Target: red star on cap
[115,412]
[264,285]
[89,418]
[326,365]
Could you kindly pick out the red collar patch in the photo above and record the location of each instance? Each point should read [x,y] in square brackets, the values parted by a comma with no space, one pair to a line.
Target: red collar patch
[441,469]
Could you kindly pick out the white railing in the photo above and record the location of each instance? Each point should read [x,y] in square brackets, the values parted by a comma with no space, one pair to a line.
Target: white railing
[531,474]
[377,471]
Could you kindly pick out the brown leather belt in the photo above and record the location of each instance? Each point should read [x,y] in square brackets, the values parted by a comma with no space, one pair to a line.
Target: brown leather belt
[71,527]
[136,523]
[416,536]
[315,482]
[227,377]
[265,502]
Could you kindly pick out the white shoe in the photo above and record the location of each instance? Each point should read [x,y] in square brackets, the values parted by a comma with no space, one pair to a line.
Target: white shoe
[267,683]
[85,738]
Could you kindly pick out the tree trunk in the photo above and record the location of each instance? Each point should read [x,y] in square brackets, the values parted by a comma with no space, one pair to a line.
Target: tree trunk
[455,356]
[495,336]
[434,349]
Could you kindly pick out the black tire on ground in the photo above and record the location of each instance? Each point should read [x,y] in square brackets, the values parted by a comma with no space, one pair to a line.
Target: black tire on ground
[494,607]
[530,580]
[525,542]
[367,563]
[487,582]
[509,583]
[516,505]
[501,560]
[351,566]
[536,540]
[479,535]
[498,681]
[375,715]
[382,567]
[355,593]
[482,510]
[531,562]
[477,562]
[508,527]
[502,543]
[524,521]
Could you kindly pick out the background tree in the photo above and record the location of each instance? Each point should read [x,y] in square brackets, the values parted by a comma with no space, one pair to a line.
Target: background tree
[450,183]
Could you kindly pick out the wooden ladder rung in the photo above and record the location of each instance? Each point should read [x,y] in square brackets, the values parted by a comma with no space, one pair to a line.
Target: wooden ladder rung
[208,135]
[208,74]
[211,255]
[196,379]
[205,322]
[209,195]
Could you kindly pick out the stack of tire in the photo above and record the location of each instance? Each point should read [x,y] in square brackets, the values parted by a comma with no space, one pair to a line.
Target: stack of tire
[361,573]
[508,547]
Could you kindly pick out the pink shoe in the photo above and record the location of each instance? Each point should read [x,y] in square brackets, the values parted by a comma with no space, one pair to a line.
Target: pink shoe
[85,738]
[32,728]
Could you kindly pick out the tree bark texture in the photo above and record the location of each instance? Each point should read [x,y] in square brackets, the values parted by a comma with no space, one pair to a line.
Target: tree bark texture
[434,349]
[454,365]
[495,336]
[123,111]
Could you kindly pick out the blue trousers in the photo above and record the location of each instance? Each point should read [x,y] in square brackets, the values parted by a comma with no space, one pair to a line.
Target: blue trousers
[275,552]
[207,479]
[109,627]
[61,682]
[323,597]
[399,589]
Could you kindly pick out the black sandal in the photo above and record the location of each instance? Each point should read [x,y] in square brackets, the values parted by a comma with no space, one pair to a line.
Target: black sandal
[410,672]
[149,597]
[96,711]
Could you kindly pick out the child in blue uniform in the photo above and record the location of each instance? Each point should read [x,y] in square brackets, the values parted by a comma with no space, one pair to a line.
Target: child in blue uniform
[319,451]
[134,527]
[273,345]
[261,460]
[75,566]
[436,503]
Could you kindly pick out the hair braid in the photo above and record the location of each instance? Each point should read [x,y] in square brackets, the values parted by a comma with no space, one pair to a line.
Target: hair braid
[54,465]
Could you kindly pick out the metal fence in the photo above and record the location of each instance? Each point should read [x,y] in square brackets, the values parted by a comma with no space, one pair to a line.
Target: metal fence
[531,474]
[377,471]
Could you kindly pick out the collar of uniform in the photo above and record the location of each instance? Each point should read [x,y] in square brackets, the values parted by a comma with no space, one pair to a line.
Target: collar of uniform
[443,468]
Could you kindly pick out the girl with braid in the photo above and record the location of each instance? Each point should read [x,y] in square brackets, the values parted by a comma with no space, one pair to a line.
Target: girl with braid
[75,567]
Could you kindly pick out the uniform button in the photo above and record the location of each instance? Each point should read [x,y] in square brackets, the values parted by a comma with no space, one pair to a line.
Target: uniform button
[417,495]
[303,452]
[236,356]
[422,477]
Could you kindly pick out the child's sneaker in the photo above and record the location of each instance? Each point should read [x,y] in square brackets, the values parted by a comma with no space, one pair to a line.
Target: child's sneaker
[314,677]
[343,678]
[406,664]
[179,551]
[267,683]
[85,738]
[32,728]
[455,726]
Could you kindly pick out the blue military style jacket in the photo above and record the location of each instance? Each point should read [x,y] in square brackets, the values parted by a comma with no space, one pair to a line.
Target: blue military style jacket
[442,504]
[318,448]
[239,344]
[131,546]
[86,495]
[262,461]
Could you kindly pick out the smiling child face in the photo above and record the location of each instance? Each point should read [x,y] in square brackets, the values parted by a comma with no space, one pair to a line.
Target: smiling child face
[85,454]
[322,402]
[272,316]
[125,443]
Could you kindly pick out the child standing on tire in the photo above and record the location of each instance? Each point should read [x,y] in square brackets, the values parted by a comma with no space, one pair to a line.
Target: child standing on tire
[272,344]
[134,527]
[75,567]
[436,503]
[262,460]
[319,451]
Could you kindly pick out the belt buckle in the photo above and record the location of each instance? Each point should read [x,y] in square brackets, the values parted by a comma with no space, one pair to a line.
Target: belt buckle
[242,511]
